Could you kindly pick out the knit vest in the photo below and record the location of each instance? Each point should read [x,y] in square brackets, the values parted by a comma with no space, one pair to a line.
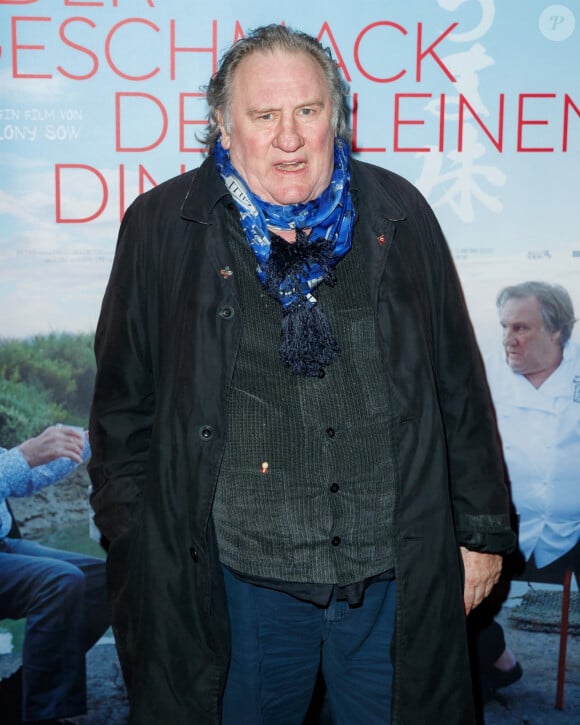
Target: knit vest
[305,491]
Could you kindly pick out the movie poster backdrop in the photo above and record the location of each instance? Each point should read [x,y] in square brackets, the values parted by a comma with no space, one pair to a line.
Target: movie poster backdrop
[477,102]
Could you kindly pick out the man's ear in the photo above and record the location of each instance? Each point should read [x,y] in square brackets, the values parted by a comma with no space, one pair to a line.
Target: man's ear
[225,136]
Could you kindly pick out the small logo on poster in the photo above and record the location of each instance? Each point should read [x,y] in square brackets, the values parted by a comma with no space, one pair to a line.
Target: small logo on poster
[557,22]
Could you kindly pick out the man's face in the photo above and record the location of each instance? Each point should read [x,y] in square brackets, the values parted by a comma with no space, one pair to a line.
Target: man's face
[530,349]
[281,139]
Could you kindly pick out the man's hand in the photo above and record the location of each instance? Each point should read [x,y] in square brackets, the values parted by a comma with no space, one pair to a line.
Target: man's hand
[55,442]
[481,574]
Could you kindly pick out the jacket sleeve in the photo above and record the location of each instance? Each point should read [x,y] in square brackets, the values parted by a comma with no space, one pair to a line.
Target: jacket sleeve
[478,486]
[124,396]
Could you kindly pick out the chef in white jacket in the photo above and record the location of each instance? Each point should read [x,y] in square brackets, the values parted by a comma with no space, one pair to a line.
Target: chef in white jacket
[536,392]
[535,386]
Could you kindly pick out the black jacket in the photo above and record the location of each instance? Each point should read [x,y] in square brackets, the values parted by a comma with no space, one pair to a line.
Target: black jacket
[166,346]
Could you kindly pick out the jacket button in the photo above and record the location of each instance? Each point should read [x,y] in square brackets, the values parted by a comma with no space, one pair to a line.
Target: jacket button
[330,432]
[205,432]
[193,553]
[334,487]
[226,313]
[336,541]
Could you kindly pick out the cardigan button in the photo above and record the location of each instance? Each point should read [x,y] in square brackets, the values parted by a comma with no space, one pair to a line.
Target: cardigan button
[334,487]
[226,313]
[206,432]
[193,553]
[336,541]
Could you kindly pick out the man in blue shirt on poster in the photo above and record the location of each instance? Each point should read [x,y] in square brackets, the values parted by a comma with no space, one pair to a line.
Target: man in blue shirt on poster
[61,594]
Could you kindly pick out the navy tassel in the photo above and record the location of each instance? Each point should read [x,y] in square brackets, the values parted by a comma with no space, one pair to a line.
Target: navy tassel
[307,341]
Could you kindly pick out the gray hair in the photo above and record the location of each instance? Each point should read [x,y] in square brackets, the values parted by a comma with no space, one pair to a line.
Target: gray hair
[267,39]
[555,304]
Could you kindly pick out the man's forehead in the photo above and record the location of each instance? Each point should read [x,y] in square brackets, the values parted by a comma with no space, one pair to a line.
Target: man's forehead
[278,62]
[520,308]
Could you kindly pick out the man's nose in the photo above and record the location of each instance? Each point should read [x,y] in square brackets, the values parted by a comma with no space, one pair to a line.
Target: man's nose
[288,137]
[508,337]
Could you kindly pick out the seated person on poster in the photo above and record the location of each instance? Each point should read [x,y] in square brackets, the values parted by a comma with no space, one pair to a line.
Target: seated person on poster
[62,595]
[535,386]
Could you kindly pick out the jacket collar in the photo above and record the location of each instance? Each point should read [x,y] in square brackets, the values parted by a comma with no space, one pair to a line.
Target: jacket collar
[383,204]
[207,188]
[205,191]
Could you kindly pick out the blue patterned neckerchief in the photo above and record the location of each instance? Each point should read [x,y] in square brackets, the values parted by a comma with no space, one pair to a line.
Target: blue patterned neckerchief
[290,272]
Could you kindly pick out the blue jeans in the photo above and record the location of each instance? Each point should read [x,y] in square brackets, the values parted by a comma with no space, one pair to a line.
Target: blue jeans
[62,595]
[279,643]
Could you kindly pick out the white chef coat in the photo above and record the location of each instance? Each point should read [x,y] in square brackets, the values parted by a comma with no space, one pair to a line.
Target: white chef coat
[540,431]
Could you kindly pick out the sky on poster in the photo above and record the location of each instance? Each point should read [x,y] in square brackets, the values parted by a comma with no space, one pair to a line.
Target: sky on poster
[508,215]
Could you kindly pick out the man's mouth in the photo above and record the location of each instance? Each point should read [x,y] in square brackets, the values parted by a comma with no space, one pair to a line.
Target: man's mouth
[513,357]
[291,166]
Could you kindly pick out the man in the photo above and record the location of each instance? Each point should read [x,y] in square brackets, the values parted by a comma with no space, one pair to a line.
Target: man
[292,434]
[61,594]
[535,385]
[537,398]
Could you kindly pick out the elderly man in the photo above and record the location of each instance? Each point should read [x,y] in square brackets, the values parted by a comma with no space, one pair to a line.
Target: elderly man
[537,398]
[61,594]
[291,431]
[535,384]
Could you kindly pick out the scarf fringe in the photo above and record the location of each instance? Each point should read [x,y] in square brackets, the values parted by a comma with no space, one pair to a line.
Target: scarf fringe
[307,341]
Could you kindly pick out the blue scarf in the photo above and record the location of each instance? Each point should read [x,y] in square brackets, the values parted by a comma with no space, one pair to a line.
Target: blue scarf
[290,272]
